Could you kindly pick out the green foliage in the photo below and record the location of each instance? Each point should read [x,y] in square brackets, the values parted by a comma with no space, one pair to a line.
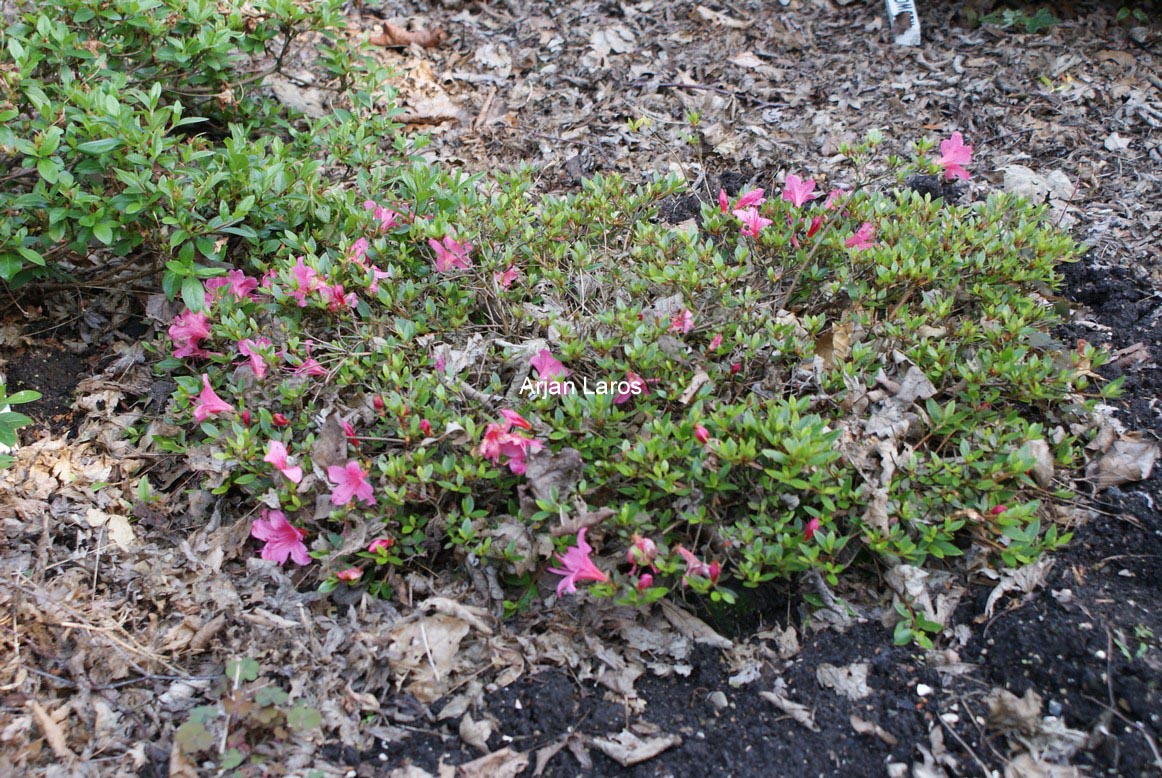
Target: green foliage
[10,421]
[231,733]
[139,129]
[759,442]
[1033,23]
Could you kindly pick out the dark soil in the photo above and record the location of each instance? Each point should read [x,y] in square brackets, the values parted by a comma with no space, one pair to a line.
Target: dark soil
[55,374]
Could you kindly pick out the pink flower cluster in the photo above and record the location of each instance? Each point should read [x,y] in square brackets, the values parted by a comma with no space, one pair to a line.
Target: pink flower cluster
[451,254]
[283,539]
[954,155]
[577,566]
[350,484]
[500,441]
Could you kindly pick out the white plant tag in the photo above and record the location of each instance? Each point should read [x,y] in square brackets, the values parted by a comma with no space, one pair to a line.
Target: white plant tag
[907,8]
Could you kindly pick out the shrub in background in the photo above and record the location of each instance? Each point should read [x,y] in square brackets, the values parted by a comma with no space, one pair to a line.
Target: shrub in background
[137,130]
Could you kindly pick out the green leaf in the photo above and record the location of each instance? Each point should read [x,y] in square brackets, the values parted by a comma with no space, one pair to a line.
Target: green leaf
[49,169]
[242,670]
[25,396]
[102,146]
[303,717]
[103,232]
[193,294]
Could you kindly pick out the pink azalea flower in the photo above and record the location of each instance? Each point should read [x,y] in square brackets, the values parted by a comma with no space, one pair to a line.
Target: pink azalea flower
[381,544]
[240,285]
[577,566]
[187,332]
[645,581]
[735,367]
[862,238]
[833,198]
[752,222]
[953,156]
[209,404]
[809,530]
[507,278]
[306,281]
[500,441]
[336,298]
[715,342]
[358,251]
[283,539]
[441,362]
[426,428]
[723,201]
[797,191]
[701,434]
[276,455]
[377,275]
[549,368]
[697,568]
[250,349]
[637,386]
[350,483]
[310,366]
[451,254]
[514,419]
[752,199]
[642,552]
[997,510]
[388,218]
[350,574]
[349,431]
[682,322]
[816,223]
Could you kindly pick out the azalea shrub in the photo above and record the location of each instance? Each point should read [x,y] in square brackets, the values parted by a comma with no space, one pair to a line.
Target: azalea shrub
[143,135]
[581,395]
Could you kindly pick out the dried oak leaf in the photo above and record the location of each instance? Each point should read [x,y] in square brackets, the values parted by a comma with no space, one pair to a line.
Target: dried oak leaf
[394,35]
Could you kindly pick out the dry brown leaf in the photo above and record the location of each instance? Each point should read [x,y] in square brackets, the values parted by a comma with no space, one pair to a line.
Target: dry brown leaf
[550,474]
[504,763]
[330,448]
[1129,459]
[1025,579]
[849,680]
[800,713]
[394,35]
[693,627]
[697,382]
[1011,713]
[52,732]
[475,733]
[705,14]
[834,346]
[627,749]
[871,728]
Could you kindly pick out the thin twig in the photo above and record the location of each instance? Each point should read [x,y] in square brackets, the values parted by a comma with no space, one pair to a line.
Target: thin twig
[984,770]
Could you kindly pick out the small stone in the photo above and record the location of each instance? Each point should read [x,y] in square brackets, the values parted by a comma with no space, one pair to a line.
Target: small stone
[949,718]
[718,700]
[1054,708]
[1100,654]
[923,689]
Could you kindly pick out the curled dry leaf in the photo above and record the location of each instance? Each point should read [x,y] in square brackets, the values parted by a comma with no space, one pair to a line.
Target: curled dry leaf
[394,35]
[871,728]
[718,18]
[1011,713]
[627,749]
[800,713]
[849,680]
[1026,579]
[1128,459]
[475,733]
[693,627]
[504,763]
